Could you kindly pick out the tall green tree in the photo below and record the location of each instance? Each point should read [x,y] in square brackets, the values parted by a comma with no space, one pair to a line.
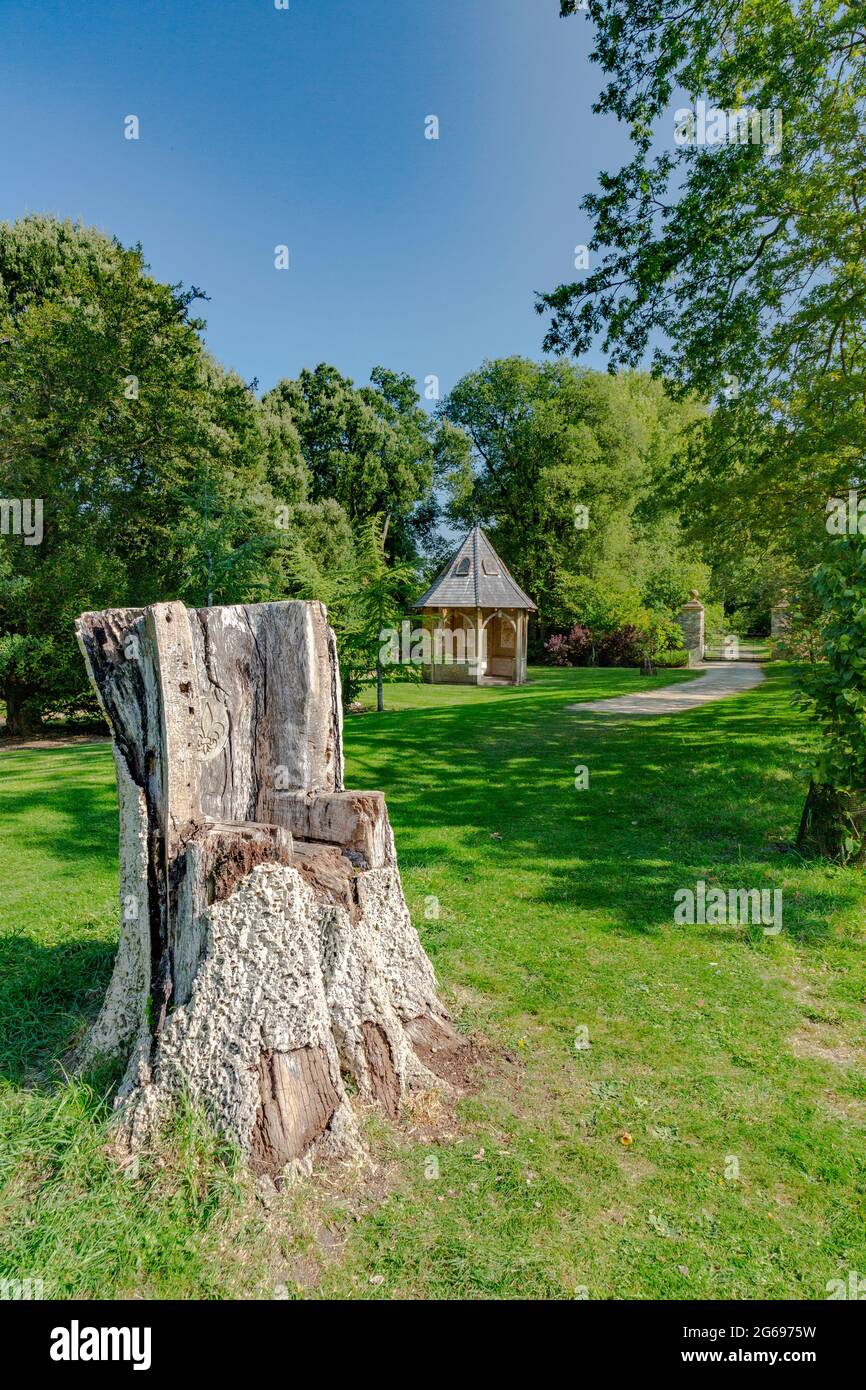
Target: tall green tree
[148,459]
[369,448]
[739,265]
[384,593]
[738,262]
[733,249]
[558,463]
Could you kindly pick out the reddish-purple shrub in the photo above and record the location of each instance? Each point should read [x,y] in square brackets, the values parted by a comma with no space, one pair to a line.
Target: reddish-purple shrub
[623,647]
[556,650]
[580,643]
[572,648]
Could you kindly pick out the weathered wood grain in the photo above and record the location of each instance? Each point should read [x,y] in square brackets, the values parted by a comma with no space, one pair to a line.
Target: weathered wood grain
[266,948]
[298,1100]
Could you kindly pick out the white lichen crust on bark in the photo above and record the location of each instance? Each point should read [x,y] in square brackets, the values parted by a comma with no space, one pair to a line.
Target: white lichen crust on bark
[267,968]
[285,973]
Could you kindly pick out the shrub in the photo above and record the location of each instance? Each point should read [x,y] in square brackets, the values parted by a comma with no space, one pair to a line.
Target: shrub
[835,688]
[801,639]
[628,645]
[573,648]
[599,604]
[662,634]
[625,646]
[557,651]
[666,661]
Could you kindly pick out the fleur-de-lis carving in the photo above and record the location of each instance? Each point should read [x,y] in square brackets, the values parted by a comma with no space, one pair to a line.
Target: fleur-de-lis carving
[213,729]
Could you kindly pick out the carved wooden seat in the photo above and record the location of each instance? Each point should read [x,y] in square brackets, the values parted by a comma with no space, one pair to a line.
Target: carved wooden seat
[265,942]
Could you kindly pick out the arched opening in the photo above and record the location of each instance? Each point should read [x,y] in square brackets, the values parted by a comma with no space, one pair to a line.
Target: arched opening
[453,635]
[502,643]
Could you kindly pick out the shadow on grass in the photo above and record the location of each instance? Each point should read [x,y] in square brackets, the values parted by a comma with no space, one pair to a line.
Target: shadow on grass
[707,792]
[481,786]
[85,809]
[59,848]
[49,995]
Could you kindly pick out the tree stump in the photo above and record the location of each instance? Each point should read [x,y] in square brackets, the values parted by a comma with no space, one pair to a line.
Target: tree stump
[266,952]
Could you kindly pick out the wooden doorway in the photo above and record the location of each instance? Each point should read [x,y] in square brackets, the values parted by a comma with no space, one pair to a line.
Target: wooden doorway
[502,647]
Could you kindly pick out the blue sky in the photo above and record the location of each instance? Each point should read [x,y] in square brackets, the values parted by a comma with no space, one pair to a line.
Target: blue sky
[305,127]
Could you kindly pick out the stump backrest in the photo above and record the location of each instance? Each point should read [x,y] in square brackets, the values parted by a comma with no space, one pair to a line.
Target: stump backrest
[212,708]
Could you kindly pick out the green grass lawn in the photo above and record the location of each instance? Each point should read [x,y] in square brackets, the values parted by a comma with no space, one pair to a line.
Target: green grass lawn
[709,1142]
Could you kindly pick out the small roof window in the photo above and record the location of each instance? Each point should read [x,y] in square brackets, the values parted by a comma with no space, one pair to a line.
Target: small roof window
[489,565]
[463,566]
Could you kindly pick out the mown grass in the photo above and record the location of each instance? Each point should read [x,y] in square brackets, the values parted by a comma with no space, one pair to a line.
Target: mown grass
[709,1141]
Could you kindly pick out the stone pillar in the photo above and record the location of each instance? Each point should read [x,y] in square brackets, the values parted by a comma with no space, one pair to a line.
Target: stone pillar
[780,620]
[780,625]
[691,620]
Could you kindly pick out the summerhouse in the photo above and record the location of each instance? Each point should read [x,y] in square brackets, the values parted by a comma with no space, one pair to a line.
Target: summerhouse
[476,619]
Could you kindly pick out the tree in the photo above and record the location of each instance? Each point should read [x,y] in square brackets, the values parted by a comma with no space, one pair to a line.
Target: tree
[384,594]
[558,465]
[739,261]
[364,595]
[267,968]
[741,265]
[834,817]
[395,396]
[368,448]
[148,459]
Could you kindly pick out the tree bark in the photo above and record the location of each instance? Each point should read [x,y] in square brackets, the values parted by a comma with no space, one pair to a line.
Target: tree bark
[266,952]
[833,824]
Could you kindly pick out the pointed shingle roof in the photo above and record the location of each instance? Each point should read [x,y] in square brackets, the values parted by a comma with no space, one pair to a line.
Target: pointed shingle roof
[486,582]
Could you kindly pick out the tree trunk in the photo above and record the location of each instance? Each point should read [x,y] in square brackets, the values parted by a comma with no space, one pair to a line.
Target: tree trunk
[23,712]
[266,952]
[833,824]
